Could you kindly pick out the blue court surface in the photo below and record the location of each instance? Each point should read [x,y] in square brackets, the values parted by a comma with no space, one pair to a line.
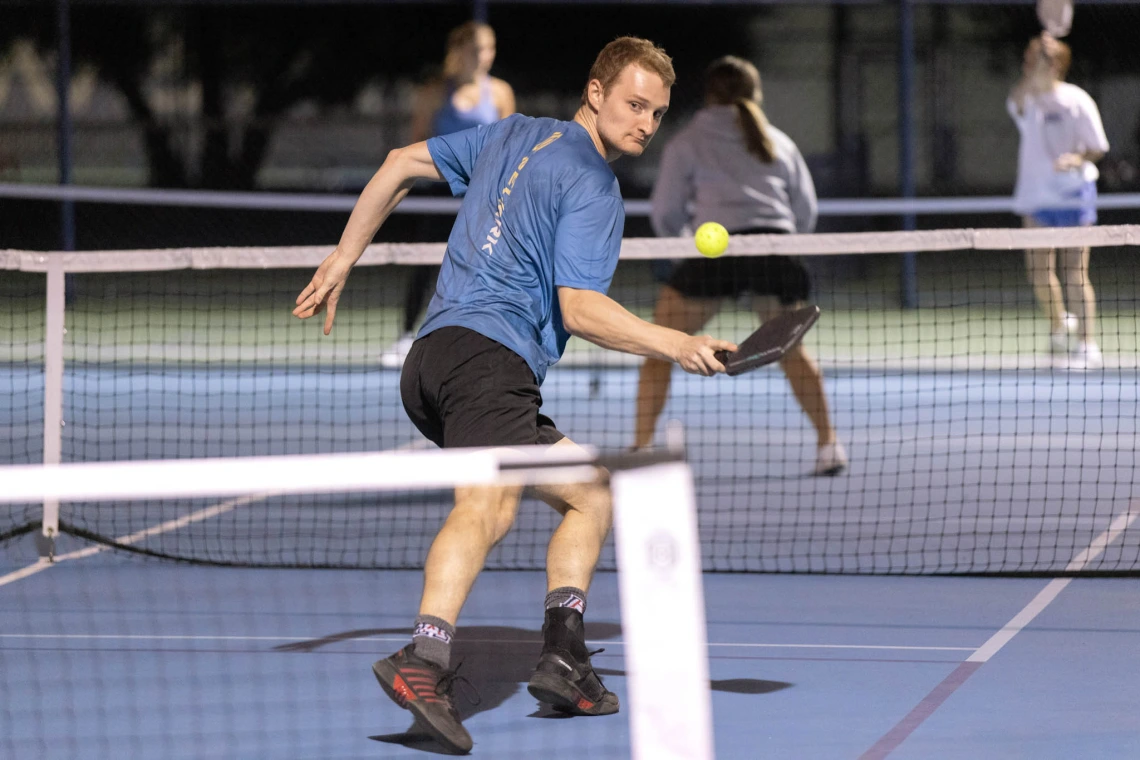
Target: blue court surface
[106,656]
[102,656]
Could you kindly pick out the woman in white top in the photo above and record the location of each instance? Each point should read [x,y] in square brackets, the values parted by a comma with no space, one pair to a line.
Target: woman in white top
[729,165]
[1061,139]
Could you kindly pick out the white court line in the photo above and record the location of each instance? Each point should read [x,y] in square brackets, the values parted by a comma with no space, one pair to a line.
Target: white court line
[169,525]
[891,740]
[1054,587]
[42,564]
[389,639]
[845,646]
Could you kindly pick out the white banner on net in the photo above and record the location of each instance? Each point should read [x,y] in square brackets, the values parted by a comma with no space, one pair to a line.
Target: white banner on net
[663,613]
[817,244]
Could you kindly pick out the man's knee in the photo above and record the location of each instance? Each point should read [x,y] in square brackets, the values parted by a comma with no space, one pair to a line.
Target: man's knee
[489,509]
[591,500]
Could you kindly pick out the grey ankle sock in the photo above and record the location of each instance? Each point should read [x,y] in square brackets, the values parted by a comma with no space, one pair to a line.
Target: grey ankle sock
[567,596]
[432,638]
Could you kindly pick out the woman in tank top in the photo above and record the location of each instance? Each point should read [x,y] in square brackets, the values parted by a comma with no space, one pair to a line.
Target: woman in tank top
[464,96]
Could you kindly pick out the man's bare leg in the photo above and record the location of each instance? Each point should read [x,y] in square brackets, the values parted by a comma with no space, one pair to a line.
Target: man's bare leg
[480,519]
[564,678]
[417,676]
[587,516]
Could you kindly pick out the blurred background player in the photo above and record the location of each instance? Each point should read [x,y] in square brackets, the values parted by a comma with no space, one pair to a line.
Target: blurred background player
[464,96]
[729,165]
[1061,138]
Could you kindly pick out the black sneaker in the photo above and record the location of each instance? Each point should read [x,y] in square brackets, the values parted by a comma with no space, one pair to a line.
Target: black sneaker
[564,678]
[424,689]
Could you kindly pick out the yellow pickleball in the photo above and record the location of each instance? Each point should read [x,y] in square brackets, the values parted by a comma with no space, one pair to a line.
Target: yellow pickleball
[711,239]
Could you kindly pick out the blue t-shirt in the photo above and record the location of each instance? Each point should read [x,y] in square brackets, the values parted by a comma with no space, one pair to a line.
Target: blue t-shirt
[541,210]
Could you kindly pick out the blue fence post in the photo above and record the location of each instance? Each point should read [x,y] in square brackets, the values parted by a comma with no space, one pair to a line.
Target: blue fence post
[63,86]
[908,285]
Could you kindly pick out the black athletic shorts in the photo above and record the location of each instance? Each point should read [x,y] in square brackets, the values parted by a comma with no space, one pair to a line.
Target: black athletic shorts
[779,276]
[461,389]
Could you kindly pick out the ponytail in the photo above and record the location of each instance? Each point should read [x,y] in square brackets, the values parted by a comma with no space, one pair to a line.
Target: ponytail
[735,81]
[754,125]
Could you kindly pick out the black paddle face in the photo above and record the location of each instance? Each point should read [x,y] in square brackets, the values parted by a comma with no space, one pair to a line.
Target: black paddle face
[770,342]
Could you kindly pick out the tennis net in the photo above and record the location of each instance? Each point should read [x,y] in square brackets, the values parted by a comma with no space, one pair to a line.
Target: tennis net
[102,657]
[975,444]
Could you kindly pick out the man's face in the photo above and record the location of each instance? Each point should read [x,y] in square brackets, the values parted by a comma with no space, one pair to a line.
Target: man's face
[630,113]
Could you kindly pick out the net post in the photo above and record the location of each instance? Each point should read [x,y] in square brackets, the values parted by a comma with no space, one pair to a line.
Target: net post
[663,612]
[908,276]
[53,395]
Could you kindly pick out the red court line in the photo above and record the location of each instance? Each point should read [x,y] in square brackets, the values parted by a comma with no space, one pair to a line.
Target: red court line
[921,712]
[932,701]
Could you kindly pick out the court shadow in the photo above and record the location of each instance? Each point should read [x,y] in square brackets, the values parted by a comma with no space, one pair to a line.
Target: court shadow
[414,738]
[498,661]
[748,686]
[726,685]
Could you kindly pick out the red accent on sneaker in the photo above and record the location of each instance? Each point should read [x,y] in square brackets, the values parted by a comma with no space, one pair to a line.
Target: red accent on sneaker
[403,691]
[584,704]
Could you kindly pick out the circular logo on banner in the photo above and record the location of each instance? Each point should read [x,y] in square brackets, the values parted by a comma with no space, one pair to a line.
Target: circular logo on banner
[662,550]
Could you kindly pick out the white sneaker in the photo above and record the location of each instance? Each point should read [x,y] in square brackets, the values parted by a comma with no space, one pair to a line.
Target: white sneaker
[831,459]
[1059,340]
[1086,356]
[393,357]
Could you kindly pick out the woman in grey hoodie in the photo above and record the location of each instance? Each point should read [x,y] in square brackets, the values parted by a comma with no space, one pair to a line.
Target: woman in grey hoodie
[729,165]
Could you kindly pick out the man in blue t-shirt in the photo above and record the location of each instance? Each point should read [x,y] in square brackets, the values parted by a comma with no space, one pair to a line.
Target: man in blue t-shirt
[528,264]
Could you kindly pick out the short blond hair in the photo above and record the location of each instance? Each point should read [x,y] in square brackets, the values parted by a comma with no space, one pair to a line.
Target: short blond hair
[624,52]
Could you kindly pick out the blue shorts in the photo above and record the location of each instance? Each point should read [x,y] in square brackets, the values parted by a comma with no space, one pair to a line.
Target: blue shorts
[1083,215]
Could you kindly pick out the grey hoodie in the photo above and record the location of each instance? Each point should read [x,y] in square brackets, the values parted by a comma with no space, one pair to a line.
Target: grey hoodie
[707,175]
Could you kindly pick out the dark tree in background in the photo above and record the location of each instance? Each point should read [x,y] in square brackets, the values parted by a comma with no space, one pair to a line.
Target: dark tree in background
[325,54]
[281,56]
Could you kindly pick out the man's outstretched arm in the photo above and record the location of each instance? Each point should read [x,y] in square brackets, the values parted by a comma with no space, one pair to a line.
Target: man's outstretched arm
[382,194]
[384,191]
[600,319]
